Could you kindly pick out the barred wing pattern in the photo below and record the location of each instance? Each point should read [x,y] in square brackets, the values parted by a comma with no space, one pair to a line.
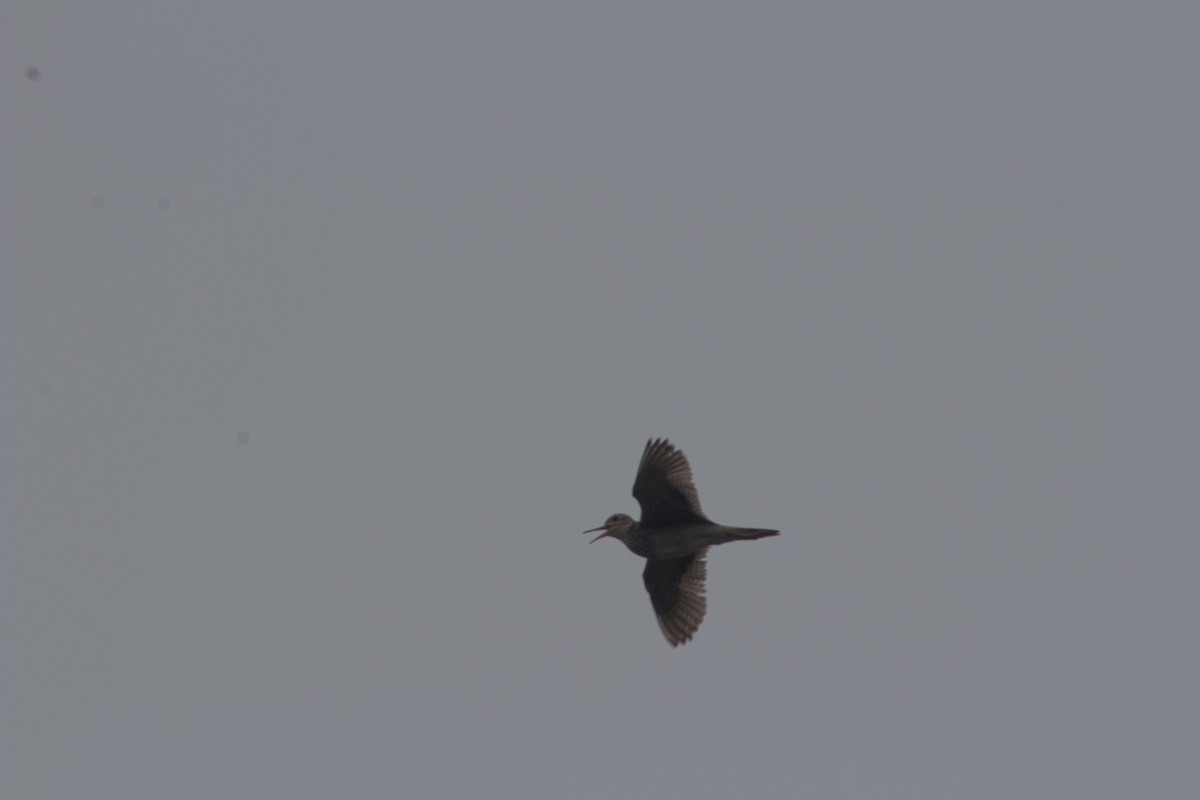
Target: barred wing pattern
[676,587]
[664,487]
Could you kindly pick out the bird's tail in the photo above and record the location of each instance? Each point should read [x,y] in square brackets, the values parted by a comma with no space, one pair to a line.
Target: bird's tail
[755,533]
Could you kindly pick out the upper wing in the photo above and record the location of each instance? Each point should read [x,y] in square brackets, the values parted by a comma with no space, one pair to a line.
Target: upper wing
[676,587]
[664,487]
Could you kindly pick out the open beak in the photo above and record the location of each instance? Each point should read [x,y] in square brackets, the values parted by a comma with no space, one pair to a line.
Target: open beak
[601,536]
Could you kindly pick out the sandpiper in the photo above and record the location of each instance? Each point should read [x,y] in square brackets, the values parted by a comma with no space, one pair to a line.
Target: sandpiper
[673,536]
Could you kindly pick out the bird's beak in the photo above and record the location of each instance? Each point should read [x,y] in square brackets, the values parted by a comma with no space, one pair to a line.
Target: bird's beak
[601,536]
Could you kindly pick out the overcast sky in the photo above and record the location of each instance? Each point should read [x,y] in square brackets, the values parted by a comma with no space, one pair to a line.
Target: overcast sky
[325,329]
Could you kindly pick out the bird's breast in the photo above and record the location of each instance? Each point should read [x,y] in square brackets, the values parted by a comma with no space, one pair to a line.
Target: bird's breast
[675,542]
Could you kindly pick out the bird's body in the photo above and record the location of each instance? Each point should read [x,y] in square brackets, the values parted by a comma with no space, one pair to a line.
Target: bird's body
[673,536]
[675,541]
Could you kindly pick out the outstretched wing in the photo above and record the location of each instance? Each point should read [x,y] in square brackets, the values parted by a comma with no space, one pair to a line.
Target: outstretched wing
[676,587]
[664,487]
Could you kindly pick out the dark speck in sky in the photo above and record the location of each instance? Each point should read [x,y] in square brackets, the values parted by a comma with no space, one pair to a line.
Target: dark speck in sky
[33,73]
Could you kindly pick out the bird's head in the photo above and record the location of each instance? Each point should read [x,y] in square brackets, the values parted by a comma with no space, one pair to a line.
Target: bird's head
[617,526]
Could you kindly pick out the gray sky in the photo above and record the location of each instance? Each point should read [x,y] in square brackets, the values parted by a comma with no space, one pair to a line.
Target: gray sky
[325,330]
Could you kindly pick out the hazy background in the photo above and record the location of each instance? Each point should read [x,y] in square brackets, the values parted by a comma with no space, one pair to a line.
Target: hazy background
[326,329]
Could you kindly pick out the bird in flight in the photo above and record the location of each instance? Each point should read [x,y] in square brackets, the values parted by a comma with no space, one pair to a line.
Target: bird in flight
[673,536]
